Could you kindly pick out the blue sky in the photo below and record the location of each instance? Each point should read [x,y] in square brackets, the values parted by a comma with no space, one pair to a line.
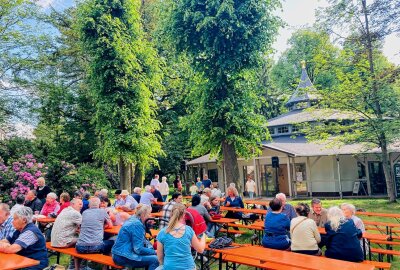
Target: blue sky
[296,13]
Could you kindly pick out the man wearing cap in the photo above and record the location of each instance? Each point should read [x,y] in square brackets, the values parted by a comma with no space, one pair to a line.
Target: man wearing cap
[130,203]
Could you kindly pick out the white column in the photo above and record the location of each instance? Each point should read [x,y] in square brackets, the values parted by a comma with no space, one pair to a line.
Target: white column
[289,176]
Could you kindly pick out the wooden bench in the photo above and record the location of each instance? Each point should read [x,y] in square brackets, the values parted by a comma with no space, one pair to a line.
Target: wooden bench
[382,252]
[230,231]
[97,258]
[254,263]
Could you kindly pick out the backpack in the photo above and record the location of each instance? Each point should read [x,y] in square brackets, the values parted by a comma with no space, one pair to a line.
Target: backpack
[196,221]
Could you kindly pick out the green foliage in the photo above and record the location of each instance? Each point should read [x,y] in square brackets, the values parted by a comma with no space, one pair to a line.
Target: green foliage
[226,42]
[123,70]
[320,55]
[13,148]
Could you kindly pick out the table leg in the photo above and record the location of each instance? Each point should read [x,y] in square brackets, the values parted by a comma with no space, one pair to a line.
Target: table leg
[220,261]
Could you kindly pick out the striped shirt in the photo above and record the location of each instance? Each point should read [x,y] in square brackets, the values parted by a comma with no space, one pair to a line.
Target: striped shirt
[7,229]
[26,239]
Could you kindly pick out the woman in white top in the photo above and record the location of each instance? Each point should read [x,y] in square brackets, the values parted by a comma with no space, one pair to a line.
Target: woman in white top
[164,188]
[304,232]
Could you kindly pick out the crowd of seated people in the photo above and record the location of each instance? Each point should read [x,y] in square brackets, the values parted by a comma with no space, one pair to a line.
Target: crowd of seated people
[80,222]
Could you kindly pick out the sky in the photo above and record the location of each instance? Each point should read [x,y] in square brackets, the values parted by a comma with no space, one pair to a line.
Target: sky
[299,13]
[296,13]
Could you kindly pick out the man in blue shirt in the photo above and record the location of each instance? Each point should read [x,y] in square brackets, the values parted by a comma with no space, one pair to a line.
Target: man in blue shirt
[287,209]
[6,227]
[206,182]
[129,202]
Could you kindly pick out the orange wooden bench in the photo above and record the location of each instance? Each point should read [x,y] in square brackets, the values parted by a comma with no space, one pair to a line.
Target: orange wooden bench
[254,263]
[97,258]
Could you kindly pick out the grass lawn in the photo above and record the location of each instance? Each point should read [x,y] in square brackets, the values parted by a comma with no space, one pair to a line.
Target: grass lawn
[370,205]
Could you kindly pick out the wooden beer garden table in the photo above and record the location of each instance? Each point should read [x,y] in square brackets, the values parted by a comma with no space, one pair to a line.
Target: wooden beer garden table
[286,258]
[244,210]
[15,261]
[258,202]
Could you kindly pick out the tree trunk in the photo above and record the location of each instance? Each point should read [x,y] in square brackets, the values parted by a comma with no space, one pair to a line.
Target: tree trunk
[378,110]
[231,165]
[138,176]
[388,175]
[124,175]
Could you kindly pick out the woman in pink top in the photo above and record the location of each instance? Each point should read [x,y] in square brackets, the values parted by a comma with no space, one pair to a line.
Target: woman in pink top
[51,207]
[64,201]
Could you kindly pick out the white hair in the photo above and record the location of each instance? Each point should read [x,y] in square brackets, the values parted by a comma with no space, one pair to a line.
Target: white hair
[137,190]
[104,192]
[94,202]
[142,209]
[147,188]
[24,213]
[281,196]
[336,217]
[349,206]
[163,178]
[52,195]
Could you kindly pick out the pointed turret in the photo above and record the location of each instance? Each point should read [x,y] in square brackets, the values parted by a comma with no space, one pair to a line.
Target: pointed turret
[305,93]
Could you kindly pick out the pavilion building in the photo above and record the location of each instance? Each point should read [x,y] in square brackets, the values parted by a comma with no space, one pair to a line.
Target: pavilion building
[306,169]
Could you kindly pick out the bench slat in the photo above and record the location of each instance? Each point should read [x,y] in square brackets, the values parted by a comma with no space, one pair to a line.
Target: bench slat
[98,258]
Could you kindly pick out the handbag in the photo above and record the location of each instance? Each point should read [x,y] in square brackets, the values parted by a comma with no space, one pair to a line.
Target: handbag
[220,242]
[215,215]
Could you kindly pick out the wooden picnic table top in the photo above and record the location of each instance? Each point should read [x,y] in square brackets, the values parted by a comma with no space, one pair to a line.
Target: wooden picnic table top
[293,259]
[382,224]
[258,202]
[45,220]
[225,220]
[244,210]
[156,214]
[113,230]
[15,261]
[366,235]
[372,214]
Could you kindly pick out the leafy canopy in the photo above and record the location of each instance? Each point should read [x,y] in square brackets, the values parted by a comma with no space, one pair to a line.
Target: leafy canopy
[123,71]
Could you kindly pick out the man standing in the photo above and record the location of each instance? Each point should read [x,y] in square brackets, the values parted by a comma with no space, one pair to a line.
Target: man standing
[287,209]
[199,184]
[250,187]
[6,227]
[317,213]
[155,181]
[206,182]
[33,202]
[65,229]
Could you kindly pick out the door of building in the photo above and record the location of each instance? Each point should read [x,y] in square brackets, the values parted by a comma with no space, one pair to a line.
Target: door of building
[267,177]
[377,178]
[283,179]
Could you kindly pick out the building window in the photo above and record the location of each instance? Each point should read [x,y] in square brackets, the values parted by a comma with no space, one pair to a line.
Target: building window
[284,129]
[295,128]
[271,131]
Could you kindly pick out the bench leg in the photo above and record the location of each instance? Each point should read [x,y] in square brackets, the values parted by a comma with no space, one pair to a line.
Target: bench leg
[58,257]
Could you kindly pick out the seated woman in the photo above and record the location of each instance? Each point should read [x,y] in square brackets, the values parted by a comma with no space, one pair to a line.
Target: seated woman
[117,218]
[342,237]
[51,207]
[349,211]
[200,208]
[212,227]
[132,249]
[175,242]
[276,227]
[27,240]
[304,232]
[65,201]
[233,200]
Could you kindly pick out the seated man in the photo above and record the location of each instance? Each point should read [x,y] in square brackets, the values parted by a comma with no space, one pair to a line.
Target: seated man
[129,202]
[118,199]
[19,203]
[33,202]
[27,240]
[6,226]
[94,221]
[136,193]
[317,213]
[287,209]
[147,197]
[65,228]
[166,210]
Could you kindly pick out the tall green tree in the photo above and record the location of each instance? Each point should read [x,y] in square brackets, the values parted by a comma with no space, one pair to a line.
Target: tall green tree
[365,87]
[123,70]
[226,41]
[320,55]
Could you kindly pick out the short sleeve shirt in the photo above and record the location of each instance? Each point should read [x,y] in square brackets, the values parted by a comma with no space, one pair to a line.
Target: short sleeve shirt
[64,228]
[146,198]
[177,251]
[92,228]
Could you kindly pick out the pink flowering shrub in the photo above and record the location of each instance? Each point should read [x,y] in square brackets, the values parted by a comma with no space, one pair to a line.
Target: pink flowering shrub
[20,176]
